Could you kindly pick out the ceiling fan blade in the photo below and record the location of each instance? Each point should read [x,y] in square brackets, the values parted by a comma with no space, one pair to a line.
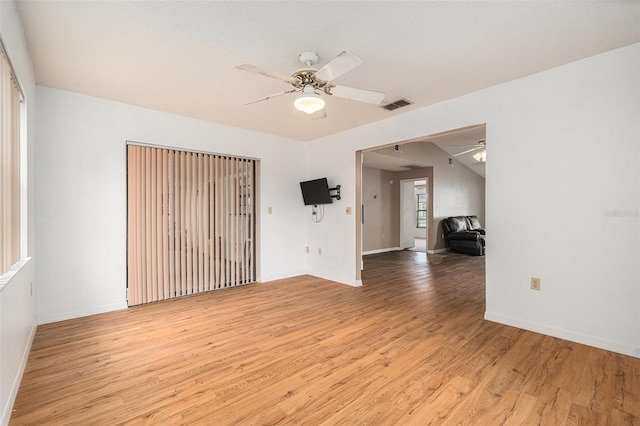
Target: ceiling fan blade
[266,98]
[469,150]
[482,142]
[339,65]
[254,69]
[475,145]
[360,95]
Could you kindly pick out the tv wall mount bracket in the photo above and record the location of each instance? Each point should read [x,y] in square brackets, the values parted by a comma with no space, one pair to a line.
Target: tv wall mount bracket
[337,194]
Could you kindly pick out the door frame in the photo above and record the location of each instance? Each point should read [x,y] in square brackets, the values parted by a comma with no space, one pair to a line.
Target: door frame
[358,189]
[402,207]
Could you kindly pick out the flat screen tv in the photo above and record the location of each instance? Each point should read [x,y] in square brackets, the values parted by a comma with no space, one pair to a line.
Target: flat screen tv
[316,192]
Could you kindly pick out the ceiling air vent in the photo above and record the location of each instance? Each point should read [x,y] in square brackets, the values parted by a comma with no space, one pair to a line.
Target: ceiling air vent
[397,104]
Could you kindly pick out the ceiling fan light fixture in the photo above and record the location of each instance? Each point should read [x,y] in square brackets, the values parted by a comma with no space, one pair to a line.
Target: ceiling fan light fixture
[481,156]
[308,101]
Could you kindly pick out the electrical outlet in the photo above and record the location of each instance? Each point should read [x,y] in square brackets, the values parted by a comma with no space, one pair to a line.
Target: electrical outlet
[306,249]
[535,283]
[269,210]
[348,210]
[319,251]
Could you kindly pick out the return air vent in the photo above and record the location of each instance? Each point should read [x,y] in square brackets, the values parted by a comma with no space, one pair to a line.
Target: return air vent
[397,104]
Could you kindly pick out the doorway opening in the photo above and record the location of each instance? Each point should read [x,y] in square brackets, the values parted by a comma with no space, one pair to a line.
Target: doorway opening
[414,214]
[392,216]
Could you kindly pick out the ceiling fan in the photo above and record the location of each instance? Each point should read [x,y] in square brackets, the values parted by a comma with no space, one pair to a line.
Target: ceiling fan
[307,80]
[481,147]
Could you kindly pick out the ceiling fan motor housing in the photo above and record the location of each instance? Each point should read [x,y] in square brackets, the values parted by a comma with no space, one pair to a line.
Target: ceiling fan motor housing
[308,58]
[306,77]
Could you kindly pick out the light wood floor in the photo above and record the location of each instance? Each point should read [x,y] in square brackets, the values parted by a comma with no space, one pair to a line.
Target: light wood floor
[409,347]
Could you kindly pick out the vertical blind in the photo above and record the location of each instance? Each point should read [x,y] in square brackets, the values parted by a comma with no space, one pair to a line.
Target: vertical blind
[9,167]
[191,223]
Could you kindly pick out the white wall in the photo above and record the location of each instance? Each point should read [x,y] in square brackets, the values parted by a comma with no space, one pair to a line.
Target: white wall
[561,196]
[81,200]
[336,234]
[17,304]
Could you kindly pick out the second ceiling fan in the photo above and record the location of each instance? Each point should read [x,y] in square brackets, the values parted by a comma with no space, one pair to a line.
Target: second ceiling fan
[481,147]
[307,81]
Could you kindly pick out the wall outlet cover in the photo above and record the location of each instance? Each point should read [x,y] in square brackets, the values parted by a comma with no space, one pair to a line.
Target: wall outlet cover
[535,283]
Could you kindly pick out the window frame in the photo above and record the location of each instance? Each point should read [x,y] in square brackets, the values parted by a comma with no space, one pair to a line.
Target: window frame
[12,117]
[418,210]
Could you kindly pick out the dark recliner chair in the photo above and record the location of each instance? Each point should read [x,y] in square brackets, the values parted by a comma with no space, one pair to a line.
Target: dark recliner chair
[464,234]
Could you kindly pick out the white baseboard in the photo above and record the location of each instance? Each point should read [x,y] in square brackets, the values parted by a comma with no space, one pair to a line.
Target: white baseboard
[437,251]
[274,277]
[382,250]
[46,319]
[340,280]
[353,283]
[385,250]
[585,339]
[15,386]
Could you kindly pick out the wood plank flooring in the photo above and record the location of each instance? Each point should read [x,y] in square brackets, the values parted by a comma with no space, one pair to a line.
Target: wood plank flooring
[410,347]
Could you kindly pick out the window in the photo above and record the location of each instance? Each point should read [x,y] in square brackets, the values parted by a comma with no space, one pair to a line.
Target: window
[10,97]
[421,208]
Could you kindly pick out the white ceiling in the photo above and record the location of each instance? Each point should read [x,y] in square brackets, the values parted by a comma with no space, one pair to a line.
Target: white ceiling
[179,56]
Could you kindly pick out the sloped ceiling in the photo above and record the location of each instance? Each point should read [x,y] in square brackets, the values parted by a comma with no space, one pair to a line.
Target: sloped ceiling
[179,56]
